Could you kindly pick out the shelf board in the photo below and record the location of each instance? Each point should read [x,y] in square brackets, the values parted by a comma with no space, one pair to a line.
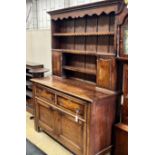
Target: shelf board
[38,70]
[80,52]
[106,54]
[75,51]
[81,70]
[30,65]
[122,58]
[28,74]
[29,108]
[122,126]
[29,93]
[83,34]
[28,83]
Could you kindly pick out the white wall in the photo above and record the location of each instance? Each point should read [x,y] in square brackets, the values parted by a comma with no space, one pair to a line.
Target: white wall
[37,17]
[38,44]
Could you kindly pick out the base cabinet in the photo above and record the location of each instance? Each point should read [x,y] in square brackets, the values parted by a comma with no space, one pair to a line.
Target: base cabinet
[64,125]
[79,125]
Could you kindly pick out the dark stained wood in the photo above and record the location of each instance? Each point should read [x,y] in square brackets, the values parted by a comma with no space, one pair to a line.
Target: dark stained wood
[121,139]
[103,23]
[104,123]
[125,80]
[80,24]
[91,22]
[125,111]
[106,73]
[79,43]
[102,44]
[56,65]
[91,43]
[121,129]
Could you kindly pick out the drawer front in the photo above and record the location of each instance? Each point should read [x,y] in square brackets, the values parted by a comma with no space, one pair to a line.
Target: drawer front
[70,105]
[45,94]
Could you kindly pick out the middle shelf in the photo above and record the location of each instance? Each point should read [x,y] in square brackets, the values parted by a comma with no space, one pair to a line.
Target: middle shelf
[81,52]
[83,34]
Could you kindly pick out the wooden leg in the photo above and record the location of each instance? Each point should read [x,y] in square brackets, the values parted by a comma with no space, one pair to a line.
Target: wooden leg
[37,128]
[32,117]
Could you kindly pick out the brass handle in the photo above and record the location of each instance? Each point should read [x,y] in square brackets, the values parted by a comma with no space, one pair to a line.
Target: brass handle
[77,113]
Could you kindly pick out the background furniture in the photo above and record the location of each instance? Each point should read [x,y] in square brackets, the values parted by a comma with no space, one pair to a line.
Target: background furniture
[33,70]
[78,105]
[121,129]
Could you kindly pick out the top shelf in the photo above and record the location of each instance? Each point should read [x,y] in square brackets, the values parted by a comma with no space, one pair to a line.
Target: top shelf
[83,34]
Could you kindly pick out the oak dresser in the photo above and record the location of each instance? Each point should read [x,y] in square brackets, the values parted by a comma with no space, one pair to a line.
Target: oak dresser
[78,104]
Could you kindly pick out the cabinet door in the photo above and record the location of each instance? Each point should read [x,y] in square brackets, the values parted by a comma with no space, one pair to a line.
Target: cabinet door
[45,116]
[71,133]
[106,73]
[56,63]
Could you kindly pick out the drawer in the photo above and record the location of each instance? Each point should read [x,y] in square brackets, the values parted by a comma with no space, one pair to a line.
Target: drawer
[45,94]
[71,105]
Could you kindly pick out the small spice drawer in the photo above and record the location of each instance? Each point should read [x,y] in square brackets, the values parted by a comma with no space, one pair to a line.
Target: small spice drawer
[45,94]
[69,104]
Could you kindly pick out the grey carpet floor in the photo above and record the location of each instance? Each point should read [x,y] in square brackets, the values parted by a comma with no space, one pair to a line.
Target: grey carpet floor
[32,149]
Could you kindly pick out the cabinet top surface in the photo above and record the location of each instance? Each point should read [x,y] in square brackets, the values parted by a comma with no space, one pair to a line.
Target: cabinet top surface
[75,88]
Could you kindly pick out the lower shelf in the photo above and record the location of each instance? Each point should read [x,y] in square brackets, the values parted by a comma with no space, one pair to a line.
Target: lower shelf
[29,93]
[29,109]
[29,106]
[81,70]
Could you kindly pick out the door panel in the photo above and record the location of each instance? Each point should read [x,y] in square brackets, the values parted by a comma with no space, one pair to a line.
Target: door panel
[71,133]
[106,73]
[45,115]
[56,63]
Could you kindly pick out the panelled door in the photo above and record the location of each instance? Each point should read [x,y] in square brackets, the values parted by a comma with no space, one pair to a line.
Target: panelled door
[71,132]
[45,115]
